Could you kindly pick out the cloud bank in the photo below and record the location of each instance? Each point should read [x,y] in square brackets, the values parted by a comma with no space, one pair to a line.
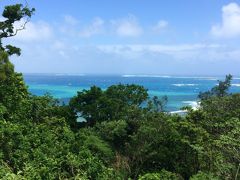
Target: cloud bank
[76,46]
[128,27]
[230,25]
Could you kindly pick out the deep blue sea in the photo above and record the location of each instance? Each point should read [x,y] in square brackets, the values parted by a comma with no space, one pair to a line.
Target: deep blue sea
[181,90]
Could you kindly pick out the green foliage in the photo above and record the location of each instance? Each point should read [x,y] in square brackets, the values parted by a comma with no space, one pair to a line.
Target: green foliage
[12,14]
[113,104]
[204,176]
[3,111]
[163,175]
[6,67]
[127,94]
[164,141]
[157,104]
[115,132]
[96,145]
[12,87]
[220,90]
[41,139]
[219,117]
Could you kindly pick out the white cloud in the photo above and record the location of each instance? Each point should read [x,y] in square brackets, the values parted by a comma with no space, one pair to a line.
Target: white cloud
[132,58]
[58,45]
[230,26]
[160,26]
[38,31]
[60,48]
[128,27]
[157,48]
[183,52]
[63,54]
[70,20]
[2,18]
[96,27]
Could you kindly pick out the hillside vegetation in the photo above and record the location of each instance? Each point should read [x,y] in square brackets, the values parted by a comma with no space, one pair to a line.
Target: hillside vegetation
[120,139]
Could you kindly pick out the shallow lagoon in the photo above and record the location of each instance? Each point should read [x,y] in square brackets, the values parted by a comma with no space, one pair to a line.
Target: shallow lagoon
[181,90]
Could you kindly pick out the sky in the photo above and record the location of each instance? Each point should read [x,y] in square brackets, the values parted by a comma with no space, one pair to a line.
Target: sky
[160,37]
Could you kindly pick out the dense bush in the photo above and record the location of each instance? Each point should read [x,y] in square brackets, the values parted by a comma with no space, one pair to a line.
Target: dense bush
[121,138]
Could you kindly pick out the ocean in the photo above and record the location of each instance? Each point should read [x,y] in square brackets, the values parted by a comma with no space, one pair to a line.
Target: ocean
[180,90]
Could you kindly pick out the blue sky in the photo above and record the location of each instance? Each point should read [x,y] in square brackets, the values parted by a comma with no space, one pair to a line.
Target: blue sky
[167,37]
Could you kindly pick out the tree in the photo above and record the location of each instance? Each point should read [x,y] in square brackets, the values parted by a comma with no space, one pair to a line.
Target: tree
[204,176]
[12,87]
[157,104]
[35,140]
[86,104]
[163,175]
[124,139]
[128,94]
[220,90]
[113,104]
[115,132]
[219,116]
[13,14]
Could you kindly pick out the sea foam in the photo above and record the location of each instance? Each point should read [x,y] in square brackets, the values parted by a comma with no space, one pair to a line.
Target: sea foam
[194,104]
[236,85]
[179,112]
[181,85]
[143,75]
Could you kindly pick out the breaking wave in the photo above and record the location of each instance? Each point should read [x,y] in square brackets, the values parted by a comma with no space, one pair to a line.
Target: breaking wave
[236,85]
[150,76]
[181,85]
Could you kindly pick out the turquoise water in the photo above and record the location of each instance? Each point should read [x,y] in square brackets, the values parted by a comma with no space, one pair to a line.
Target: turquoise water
[181,90]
